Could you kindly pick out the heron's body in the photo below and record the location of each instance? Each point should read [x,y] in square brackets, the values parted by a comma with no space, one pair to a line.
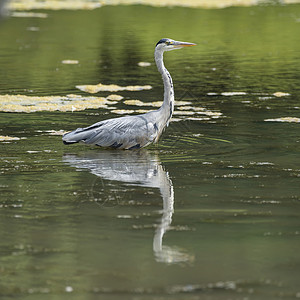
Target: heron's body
[133,132]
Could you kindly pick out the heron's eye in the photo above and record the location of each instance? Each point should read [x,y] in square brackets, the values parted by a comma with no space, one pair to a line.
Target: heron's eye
[168,43]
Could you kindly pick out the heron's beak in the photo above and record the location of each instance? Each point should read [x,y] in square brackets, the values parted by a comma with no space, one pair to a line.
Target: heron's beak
[183,44]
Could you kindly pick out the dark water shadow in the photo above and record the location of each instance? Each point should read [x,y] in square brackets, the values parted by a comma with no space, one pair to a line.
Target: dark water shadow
[135,169]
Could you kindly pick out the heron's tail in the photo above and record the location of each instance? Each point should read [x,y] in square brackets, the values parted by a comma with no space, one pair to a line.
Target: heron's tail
[75,136]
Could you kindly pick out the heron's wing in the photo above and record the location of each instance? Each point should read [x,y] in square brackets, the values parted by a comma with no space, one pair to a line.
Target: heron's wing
[123,133]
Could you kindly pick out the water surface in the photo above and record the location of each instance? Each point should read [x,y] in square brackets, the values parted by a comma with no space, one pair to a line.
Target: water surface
[211,212]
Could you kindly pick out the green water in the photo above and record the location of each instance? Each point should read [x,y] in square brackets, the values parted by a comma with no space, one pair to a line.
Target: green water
[212,212]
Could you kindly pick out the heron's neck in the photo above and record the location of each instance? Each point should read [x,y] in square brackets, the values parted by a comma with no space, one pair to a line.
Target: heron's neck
[168,105]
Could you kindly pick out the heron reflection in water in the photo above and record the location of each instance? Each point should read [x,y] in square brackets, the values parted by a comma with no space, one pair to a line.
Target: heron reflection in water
[137,168]
[134,132]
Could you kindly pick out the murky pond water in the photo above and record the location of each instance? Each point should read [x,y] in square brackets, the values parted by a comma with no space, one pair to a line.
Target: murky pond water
[211,212]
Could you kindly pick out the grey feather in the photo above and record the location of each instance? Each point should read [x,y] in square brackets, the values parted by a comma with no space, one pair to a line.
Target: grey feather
[120,133]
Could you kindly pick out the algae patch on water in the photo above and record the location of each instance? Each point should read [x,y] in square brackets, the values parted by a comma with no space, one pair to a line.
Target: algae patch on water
[183,109]
[8,138]
[134,102]
[25,14]
[52,132]
[92,89]
[22,103]
[269,96]
[144,64]
[70,62]
[29,104]
[114,97]
[281,94]
[153,103]
[284,119]
[93,4]
[53,5]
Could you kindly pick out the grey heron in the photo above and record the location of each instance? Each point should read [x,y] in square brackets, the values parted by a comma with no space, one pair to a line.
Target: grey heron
[138,131]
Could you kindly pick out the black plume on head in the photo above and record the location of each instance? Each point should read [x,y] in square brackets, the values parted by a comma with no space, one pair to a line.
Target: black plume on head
[161,41]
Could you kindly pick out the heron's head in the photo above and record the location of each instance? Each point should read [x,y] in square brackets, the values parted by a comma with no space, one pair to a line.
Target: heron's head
[169,44]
